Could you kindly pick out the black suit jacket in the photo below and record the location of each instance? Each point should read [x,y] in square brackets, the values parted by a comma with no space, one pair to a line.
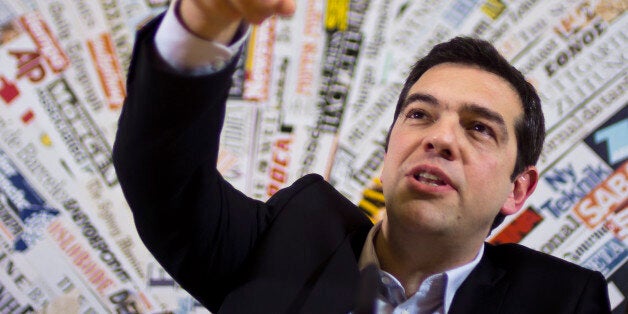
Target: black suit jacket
[298,252]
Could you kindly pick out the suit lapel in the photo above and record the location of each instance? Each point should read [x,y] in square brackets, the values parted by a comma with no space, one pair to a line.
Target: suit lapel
[334,289]
[309,249]
[484,289]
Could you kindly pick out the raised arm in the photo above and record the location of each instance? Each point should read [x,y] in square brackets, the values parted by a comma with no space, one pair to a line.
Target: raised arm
[197,225]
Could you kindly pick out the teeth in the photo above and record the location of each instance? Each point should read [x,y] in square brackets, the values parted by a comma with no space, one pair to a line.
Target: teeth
[429,179]
[428,176]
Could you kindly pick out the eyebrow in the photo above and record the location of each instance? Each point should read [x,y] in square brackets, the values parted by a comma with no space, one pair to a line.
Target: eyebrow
[419,97]
[472,108]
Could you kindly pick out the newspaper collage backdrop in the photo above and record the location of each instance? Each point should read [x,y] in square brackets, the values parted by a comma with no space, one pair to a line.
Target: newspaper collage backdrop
[313,93]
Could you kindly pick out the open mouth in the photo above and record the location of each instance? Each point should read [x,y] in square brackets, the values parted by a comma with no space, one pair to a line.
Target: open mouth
[429,179]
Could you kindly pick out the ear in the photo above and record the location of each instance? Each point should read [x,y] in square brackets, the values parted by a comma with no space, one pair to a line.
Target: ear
[523,186]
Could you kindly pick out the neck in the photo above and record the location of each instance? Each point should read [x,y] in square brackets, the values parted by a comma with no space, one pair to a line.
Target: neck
[411,259]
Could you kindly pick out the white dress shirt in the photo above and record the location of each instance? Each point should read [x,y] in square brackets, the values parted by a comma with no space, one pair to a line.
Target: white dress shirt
[435,293]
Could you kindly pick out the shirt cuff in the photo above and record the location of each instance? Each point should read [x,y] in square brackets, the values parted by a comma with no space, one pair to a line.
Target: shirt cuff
[189,54]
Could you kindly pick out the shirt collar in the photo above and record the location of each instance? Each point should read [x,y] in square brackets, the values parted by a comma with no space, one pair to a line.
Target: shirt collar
[453,277]
[456,276]
[368,255]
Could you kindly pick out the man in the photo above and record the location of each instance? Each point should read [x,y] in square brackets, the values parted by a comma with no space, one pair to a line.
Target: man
[461,151]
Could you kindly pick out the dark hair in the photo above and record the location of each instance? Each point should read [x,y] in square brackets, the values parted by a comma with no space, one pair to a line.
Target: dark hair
[529,129]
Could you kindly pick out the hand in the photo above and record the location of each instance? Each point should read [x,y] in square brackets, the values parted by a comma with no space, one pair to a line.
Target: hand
[218,20]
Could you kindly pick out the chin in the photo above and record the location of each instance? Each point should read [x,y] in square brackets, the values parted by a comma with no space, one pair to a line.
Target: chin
[421,221]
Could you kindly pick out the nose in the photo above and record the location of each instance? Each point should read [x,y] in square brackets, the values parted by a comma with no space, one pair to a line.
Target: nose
[442,139]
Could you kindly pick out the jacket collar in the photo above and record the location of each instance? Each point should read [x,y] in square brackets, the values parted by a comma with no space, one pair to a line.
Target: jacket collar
[339,279]
[283,277]
[484,288]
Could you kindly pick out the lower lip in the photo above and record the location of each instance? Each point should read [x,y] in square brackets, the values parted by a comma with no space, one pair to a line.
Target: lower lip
[423,187]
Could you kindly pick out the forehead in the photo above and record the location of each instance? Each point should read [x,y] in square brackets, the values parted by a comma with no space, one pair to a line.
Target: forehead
[455,85]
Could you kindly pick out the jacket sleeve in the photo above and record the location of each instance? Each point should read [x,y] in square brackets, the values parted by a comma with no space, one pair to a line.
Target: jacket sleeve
[196,224]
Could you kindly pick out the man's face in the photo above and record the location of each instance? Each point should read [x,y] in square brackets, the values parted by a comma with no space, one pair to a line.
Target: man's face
[452,150]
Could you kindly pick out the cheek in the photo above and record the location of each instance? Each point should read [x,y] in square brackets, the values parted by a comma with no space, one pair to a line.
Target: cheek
[484,164]
[402,144]
[496,164]
[393,160]
[488,174]
[491,175]
[387,175]
[393,157]
[394,154]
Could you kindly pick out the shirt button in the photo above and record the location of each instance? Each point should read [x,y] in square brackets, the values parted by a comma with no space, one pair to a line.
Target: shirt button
[386,280]
[219,64]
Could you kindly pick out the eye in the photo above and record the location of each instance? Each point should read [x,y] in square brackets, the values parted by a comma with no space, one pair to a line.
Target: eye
[482,129]
[417,114]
